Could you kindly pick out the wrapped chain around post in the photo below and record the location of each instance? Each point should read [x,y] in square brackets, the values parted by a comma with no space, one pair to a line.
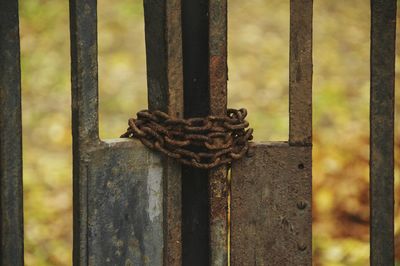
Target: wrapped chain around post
[199,142]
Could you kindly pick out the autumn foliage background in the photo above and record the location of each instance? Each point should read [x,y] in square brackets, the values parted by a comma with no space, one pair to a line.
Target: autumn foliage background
[258,80]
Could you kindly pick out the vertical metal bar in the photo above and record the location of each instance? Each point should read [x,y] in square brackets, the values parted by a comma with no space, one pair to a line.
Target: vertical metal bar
[300,72]
[195,203]
[164,56]
[83,30]
[383,35]
[11,197]
[165,92]
[218,182]
[83,19]
[205,68]
[205,200]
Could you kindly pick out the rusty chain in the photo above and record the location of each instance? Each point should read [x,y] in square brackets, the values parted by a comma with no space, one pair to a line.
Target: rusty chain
[198,142]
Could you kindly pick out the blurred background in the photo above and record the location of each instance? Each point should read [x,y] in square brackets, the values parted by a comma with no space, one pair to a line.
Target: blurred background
[258,72]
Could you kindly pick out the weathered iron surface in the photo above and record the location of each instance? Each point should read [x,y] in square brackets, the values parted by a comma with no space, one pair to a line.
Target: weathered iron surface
[271,191]
[11,198]
[218,182]
[126,199]
[163,33]
[195,202]
[218,56]
[172,208]
[300,72]
[271,206]
[125,204]
[83,26]
[165,93]
[205,75]
[218,193]
[383,36]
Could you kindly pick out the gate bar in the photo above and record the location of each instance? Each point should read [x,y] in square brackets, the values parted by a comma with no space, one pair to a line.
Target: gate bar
[300,72]
[85,132]
[165,92]
[383,38]
[195,201]
[11,196]
[205,203]
[84,68]
[218,181]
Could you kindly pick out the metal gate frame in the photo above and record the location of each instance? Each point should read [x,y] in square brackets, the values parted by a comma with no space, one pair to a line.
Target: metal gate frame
[271,191]
[134,207]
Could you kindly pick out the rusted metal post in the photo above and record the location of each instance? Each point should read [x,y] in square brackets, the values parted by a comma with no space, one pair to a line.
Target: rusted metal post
[11,197]
[165,92]
[300,72]
[218,181]
[205,202]
[83,23]
[195,201]
[383,36]
[271,191]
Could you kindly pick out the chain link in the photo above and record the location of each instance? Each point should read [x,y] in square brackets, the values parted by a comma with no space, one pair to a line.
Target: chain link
[198,142]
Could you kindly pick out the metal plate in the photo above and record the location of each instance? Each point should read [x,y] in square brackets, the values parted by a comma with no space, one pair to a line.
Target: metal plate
[271,206]
[125,205]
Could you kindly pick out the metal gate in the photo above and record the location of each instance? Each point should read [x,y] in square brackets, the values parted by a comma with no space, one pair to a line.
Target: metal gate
[135,207]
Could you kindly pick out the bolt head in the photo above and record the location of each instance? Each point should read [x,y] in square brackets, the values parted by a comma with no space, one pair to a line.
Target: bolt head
[301,205]
[301,246]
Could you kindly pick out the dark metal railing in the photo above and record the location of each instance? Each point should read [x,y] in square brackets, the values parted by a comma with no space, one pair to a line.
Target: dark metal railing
[383,36]
[183,218]
[11,210]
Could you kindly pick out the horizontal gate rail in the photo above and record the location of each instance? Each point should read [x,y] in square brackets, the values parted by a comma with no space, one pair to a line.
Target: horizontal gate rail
[383,45]
[11,197]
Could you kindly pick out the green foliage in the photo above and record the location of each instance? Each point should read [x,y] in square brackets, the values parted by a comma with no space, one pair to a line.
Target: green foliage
[258,80]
